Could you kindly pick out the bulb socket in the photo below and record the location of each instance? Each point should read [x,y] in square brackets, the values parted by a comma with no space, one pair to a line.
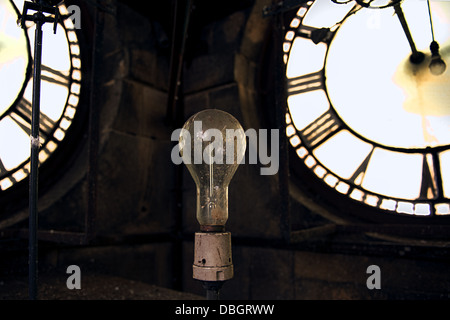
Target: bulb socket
[212,256]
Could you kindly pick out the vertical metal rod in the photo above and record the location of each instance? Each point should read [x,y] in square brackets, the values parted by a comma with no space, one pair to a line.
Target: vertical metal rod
[212,289]
[212,294]
[175,117]
[280,102]
[34,160]
[177,58]
[94,119]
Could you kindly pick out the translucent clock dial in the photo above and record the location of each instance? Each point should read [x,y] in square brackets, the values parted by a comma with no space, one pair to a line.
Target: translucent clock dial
[59,91]
[13,56]
[375,88]
[365,120]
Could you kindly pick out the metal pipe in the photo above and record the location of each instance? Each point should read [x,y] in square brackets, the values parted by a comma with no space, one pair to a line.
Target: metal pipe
[94,120]
[176,63]
[212,294]
[174,117]
[212,289]
[34,159]
[39,19]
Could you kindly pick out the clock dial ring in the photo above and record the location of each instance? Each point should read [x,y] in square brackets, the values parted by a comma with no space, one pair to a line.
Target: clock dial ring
[307,130]
[391,101]
[378,4]
[24,50]
[60,97]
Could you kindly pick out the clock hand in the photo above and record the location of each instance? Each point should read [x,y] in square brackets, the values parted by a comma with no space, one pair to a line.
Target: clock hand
[437,65]
[416,57]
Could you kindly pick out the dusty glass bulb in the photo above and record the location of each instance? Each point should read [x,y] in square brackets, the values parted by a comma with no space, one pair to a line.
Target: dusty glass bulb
[212,145]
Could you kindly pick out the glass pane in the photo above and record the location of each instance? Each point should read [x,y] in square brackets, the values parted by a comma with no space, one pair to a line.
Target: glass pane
[13,57]
[394,174]
[307,107]
[55,52]
[444,158]
[305,57]
[16,147]
[377,91]
[53,99]
[325,13]
[343,153]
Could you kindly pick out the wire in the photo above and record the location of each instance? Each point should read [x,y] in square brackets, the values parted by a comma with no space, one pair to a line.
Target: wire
[431,20]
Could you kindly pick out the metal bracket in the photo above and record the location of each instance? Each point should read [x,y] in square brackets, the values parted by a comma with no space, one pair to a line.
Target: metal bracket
[39,15]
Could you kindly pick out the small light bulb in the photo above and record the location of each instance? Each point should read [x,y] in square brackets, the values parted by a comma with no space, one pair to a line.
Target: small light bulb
[437,65]
[212,146]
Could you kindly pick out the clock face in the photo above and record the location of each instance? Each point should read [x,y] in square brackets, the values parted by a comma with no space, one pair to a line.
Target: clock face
[60,90]
[366,121]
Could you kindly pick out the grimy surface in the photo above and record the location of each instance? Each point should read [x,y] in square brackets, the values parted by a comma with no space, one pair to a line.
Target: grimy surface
[93,287]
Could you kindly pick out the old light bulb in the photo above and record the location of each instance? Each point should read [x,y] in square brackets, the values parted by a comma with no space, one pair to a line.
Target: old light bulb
[212,145]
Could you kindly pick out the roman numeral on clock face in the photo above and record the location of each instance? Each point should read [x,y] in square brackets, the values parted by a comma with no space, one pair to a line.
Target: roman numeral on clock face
[54,76]
[22,117]
[321,129]
[316,35]
[358,175]
[2,167]
[305,83]
[429,188]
